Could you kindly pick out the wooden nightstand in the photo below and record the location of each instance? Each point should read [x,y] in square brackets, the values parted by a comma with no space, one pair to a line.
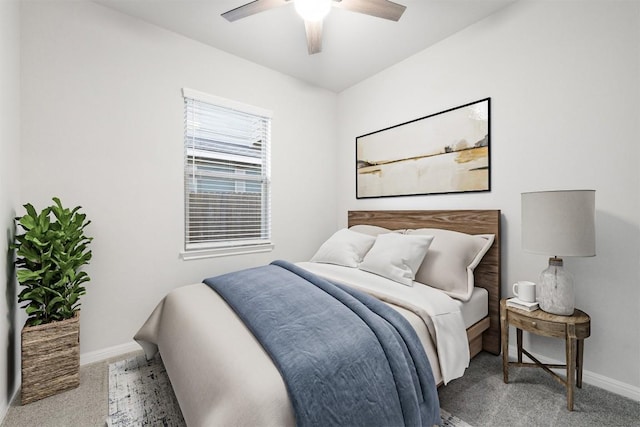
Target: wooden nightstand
[574,329]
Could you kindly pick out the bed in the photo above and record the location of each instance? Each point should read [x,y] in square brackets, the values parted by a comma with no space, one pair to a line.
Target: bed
[222,375]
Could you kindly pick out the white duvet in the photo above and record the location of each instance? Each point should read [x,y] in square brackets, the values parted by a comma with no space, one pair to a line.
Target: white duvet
[222,376]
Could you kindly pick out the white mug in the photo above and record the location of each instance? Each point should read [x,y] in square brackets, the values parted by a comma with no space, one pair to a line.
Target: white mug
[525,291]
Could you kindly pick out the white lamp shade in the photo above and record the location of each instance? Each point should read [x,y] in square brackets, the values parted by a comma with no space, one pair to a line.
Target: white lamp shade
[559,223]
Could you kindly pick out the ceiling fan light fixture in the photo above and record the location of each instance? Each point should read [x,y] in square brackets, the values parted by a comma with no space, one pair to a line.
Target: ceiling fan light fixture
[313,10]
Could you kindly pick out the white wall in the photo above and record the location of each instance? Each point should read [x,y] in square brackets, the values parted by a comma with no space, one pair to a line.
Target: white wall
[9,193]
[564,82]
[103,128]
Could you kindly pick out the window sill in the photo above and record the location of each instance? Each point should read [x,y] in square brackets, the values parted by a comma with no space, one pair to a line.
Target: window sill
[228,251]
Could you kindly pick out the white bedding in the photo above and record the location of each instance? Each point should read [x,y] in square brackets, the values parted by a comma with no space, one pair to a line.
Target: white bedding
[439,312]
[221,375]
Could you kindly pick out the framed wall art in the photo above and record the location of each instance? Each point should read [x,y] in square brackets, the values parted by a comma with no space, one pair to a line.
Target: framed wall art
[446,152]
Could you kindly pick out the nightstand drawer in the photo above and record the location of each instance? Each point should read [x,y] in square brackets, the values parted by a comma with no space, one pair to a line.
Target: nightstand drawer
[537,326]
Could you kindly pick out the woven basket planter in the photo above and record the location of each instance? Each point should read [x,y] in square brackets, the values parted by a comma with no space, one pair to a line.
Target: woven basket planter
[50,358]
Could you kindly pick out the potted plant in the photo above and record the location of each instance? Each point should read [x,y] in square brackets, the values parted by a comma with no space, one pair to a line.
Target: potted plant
[50,254]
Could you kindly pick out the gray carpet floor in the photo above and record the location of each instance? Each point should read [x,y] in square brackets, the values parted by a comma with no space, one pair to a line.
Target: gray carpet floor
[480,398]
[531,398]
[85,406]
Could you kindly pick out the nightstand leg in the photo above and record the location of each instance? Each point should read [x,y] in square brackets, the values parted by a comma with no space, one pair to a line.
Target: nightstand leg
[571,364]
[519,341]
[505,342]
[579,355]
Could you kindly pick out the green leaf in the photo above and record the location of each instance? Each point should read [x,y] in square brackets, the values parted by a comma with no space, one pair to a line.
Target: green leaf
[30,210]
[31,309]
[28,222]
[73,298]
[53,302]
[36,240]
[26,275]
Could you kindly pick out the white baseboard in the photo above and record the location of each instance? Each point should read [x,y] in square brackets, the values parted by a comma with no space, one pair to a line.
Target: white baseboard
[106,353]
[588,377]
[4,410]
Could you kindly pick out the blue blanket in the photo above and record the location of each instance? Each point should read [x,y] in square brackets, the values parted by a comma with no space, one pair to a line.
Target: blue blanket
[345,357]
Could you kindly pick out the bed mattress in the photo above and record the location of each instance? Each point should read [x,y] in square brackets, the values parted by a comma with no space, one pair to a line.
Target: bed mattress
[476,309]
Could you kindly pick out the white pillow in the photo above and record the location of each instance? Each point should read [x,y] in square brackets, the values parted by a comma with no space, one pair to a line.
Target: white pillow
[345,248]
[451,260]
[396,256]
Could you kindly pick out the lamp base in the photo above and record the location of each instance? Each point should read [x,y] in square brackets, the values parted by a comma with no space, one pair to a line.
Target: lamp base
[556,291]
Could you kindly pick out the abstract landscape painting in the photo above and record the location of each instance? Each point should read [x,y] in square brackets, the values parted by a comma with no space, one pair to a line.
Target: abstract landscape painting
[446,152]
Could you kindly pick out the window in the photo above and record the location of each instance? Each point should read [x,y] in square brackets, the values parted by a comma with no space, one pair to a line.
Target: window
[226,174]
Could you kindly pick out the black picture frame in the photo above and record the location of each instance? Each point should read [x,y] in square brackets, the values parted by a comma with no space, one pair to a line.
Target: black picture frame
[442,153]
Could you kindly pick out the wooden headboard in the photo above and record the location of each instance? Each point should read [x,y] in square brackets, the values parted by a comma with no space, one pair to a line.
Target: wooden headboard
[486,274]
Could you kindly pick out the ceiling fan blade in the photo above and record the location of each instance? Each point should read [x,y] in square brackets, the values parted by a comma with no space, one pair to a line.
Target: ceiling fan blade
[252,8]
[314,36]
[381,8]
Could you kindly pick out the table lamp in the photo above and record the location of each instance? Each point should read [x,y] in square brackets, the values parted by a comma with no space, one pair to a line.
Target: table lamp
[562,224]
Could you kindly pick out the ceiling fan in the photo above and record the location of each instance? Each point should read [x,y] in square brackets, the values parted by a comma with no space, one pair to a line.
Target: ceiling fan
[314,11]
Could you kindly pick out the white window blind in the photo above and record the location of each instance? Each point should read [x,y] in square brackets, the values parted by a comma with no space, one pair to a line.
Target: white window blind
[226,173]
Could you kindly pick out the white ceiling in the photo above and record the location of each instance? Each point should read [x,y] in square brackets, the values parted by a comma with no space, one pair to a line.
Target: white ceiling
[355,46]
